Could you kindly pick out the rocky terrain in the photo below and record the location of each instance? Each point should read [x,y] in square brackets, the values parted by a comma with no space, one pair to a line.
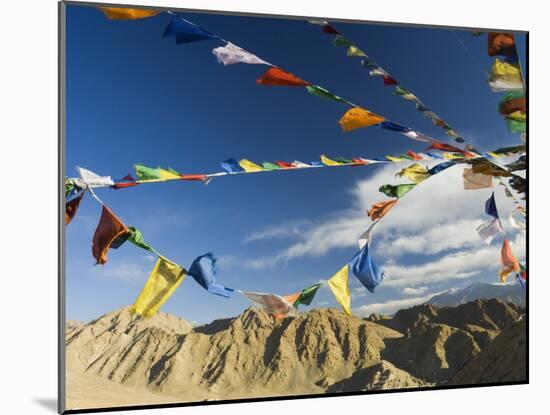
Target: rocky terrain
[252,355]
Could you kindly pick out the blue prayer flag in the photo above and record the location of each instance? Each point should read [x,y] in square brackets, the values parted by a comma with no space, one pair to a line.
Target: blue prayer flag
[231,166]
[440,167]
[203,270]
[388,125]
[366,271]
[491,207]
[185,32]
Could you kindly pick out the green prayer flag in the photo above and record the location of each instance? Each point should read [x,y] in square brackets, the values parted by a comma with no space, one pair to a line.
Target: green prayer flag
[343,160]
[307,294]
[515,126]
[146,173]
[323,93]
[270,166]
[341,41]
[69,187]
[514,149]
[134,236]
[397,191]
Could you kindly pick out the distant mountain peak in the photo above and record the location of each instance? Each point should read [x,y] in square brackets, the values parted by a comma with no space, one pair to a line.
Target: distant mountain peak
[514,293]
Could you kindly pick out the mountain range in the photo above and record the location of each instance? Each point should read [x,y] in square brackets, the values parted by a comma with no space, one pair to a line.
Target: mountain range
[513,293]
[121,359]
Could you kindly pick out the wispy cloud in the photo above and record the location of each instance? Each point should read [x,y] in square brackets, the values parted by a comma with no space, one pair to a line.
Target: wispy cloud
[286,231]
[131,272]
[414,291]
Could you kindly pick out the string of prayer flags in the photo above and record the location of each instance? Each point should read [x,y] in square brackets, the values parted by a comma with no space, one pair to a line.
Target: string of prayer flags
[508,261]
[379,210]
[475,181]
[120,13]
[231,54]
[231,166]
[71,207]
[278,77]
[366,270]
[501,44]
[149,173]
[397,191]
[249,166]
[109,228]
[323,93]
[306,296]
[338,284]
[358,117]
[185,32]
[91,179]
[163,281]
[203,270]
[270,303]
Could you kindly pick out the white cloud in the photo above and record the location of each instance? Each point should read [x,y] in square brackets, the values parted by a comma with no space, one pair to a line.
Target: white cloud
[124,271]
[414,291]
[391,306]
[288,230]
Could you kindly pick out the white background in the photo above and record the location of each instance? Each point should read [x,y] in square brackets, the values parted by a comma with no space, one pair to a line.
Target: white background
[28,151]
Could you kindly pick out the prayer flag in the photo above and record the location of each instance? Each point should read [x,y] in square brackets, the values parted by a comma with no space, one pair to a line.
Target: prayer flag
[378,210]
[405,94]
[203,270]
[185,32]
[338,284]
[505,71]
[506,85]
[329,162]
[231,166]
[515,126]
[415,135]
[388,80]
[355,51]
[323,93]
[270,303]
[397,191]
[109,228]
[327,28]
[519,117]
[270,166]
[148,173]
[491,206]
[71,207]
[501,44]
[300,164]
[482,165]
[436,145]
[474,181]
[378,71]
[488,230]
[508,261]
[365,269]
[415,172]
[249,166]
[284,164]
[231,54]
[511,104]
[163,281]
[414,155]
[279,77]
[306,295]
[366,237]
[91,179]
[440,167]
[358,118]
[341,41]
[368,63]
[120,13]
[390,125]
[135,237]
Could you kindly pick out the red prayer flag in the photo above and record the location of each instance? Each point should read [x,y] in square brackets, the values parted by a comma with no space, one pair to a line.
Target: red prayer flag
[279,77]
[200,177]
[513,105]
[508,261]
[284,164]
[501,44]
[71,207]
[388,80]
[330,30]
[124,185]
[436,145]
[414,155]
[359,161]
[109,228]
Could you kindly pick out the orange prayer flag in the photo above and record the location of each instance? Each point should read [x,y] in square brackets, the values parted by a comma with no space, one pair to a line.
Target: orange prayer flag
[121,13]
[501,44]
[291,299]
[358,118]
[277,76]
[71,207]
[378,210]
[508,261]
[108,229]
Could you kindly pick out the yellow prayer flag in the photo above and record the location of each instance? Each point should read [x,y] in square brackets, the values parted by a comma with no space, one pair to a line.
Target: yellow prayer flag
[249,166]
[121,13]
[415,172]
[168,175]
[452,156]
[359,117]
[163,281]
[518,116]
[504,70]
[329,162]
[339,286]
[393,158]
[355,51]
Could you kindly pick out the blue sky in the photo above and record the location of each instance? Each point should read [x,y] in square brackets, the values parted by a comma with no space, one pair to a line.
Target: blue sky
[133,96]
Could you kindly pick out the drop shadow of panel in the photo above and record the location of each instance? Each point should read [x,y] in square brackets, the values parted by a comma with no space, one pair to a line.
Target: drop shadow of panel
[48,403]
